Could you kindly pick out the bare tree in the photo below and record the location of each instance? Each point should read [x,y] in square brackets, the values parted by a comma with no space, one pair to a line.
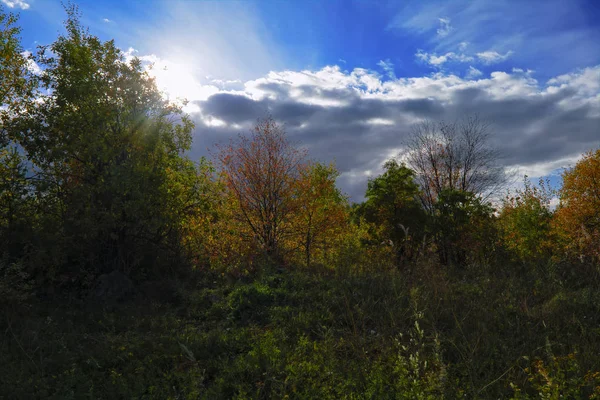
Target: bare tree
[454,156]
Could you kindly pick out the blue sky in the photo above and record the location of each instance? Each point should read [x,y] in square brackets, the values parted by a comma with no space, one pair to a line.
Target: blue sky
[349,78]
[551,37]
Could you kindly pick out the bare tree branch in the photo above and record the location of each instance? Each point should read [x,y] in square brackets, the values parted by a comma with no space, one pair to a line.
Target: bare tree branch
[454,156]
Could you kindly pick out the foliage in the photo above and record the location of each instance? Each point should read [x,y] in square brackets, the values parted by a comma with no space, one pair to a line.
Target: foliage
[321,214]
[253,277]
[525,223]
[557,378]
[463,226]
[106,150]
[578,215]
[306,334]
[393,209]
[261,172]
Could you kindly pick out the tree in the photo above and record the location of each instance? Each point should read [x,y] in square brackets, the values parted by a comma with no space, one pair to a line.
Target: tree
[578,215]
[107,150]
[321,211]
[393,207]
[261,171]
[462,227]
[454,156]
[525,222]
[15,78]
[17,214]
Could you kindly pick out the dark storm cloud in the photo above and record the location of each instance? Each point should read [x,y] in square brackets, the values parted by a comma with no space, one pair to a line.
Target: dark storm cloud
[294,113]
[361,133]
[233,108]
[532,129]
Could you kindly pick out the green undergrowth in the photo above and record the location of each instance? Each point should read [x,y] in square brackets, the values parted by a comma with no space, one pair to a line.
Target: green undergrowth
[312,335]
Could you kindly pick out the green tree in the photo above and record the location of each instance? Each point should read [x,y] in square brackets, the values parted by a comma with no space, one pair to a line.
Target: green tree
[18,211]
[15,77]
[393,207]
[525,222]
[462,226]
[108,151]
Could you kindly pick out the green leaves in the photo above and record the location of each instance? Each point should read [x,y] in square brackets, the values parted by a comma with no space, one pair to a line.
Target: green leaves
[393,207]
[16,80]
[462,223]
[106,149]
[525,223]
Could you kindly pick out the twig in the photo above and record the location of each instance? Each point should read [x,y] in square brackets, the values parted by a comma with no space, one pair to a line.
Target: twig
[20,346]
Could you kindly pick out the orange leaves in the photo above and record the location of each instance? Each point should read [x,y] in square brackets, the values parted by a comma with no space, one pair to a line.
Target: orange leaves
[260,170]
[277,202]
[321,213]
[578,217]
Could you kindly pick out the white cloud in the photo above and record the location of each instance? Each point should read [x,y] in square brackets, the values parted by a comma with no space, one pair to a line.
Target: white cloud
[586,86]
[129,53]
[215,122]
[225,84]
[327,79]
[492,57]
[473,72]
[531,35]
[369,84]
[359,117]
[16,4]
[586,81]
[32,66]
[546,168]
[108,21]
[381,121]
[445,27]
[438,60]
[388,67]
[486,57]
[462,46]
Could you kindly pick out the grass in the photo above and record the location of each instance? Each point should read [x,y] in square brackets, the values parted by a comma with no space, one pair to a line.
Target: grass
[312,334]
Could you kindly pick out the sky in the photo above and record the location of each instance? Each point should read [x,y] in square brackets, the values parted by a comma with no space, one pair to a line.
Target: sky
[349,79]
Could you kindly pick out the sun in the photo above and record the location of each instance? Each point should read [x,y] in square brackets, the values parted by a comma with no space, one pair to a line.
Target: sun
[178,81]
[175,79]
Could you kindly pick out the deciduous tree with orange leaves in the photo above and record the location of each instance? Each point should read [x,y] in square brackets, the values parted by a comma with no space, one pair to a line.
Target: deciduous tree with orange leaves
[321,215]
[261,171]
[578,216]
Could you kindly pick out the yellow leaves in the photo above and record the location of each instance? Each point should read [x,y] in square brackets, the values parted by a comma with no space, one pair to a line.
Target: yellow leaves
[578,218]
[321,213]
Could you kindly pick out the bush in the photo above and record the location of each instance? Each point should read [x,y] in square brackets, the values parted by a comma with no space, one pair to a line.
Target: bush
[15,283]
